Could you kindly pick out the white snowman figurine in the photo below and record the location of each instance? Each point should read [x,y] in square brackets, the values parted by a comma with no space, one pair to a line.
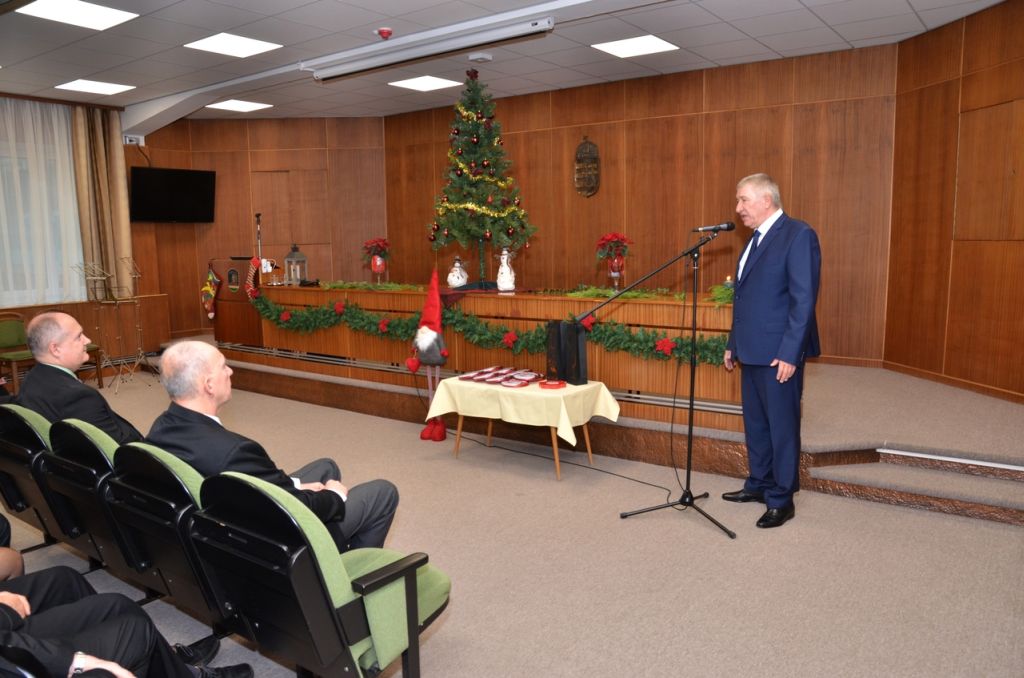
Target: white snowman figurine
[506,276]
[457,276]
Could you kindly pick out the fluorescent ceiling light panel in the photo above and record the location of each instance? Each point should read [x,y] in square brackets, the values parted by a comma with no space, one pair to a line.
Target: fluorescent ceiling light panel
[425,83]
[429,43]
[95,87]
[77,13]
[232,45]
[240,106]
[645,44]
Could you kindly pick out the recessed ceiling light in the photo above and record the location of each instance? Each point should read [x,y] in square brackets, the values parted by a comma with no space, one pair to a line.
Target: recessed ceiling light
[77,13]
[240,106]
[233,45]
[95,87]
[645,44]
[425,83]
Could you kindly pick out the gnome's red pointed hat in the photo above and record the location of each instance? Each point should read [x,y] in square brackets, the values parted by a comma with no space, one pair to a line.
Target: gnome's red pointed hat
[431,316]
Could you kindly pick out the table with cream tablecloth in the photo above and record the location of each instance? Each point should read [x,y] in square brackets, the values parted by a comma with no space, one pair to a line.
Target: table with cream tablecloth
[559,409]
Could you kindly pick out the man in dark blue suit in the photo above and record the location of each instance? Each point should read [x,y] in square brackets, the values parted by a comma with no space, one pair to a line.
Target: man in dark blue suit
[773,330]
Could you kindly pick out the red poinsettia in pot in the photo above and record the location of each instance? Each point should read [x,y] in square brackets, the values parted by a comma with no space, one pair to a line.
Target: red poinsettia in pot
[613,248]
[376,252]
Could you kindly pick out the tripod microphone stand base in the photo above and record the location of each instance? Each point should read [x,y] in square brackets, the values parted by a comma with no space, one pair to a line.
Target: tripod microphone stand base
[686,501]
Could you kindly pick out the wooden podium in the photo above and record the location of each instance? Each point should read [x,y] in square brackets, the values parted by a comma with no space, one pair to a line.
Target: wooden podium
[236,321]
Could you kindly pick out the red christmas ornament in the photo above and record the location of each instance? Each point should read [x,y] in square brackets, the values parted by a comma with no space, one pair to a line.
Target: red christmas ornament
[479,115]
[475,139]
[510,230]
[455,131]
[490,200]
[504,202]
[458,173]
[526,244]
[431,237]
[444,198]
[446,232]
[458,151]
[486,163]
[516,202]
[472,74]
[490,172]
[487,235]
[435,226]
[472,164]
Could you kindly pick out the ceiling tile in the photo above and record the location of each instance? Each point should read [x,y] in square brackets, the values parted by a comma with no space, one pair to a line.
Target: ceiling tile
[787,42]
[333,16]
[933,18]
[849,11]
[704,35]
[783,22]
[211,16]
[729,10]
[731,50]
[906,24]
[673,17]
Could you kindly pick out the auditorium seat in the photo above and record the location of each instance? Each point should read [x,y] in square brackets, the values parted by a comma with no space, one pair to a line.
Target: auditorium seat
[331,614]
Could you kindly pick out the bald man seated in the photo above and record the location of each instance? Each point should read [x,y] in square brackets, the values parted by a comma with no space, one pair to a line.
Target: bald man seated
[198,380]
[52,389]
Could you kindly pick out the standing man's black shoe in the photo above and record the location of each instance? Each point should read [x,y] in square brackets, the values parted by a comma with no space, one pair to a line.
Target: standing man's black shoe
[774,517]
[199,653]
[743,496]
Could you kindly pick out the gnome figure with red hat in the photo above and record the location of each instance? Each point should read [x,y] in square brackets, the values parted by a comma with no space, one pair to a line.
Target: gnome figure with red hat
[429,350]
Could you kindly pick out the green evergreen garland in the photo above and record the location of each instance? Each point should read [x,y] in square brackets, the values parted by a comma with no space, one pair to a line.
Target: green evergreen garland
[611,336]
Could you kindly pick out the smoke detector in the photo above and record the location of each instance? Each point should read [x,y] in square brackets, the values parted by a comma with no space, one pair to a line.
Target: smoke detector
[480,57]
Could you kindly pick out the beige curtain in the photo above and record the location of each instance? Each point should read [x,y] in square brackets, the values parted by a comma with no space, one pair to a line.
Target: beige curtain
[102,186]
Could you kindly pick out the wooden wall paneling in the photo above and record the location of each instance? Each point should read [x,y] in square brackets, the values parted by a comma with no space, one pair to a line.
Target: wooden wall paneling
[924,167]
[989,166]
[355,132]
[144,251]
[176,136]
[219,135]
[272,200]
[848,74]
[588,105]
[585,220]
[930,58]
[525,113]
[673,94]
[180,278]
[357,193]
[234,231]
[287,160]
[311,220]
[992,86]
[763,83]
[737,144]
[842,177]
[410,129]
[992,37]
[985,332]
[413,176]
[663,179]
[532,167]
[290,133]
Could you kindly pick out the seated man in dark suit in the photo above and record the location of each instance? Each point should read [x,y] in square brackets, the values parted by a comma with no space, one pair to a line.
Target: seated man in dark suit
[51,388]
[5,396]
[56,616]
[198,380]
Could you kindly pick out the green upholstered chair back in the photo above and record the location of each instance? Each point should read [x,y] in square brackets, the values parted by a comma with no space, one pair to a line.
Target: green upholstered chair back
[68,435]
[12,330]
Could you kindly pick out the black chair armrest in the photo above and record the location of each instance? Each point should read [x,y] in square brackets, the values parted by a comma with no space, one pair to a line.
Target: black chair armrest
[371,581]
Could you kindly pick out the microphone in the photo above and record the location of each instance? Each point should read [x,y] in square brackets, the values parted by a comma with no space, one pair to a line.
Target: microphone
[727,226]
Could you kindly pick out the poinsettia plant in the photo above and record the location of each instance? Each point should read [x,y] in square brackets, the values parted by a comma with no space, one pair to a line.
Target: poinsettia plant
[376,247]
[613,245]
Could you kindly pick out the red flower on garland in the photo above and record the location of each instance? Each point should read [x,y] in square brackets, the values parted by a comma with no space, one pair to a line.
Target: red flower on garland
[588,322]
[382,326]
[339,307]
[510,339]
[285,316]
[665,346]
[253,292]
[613,245]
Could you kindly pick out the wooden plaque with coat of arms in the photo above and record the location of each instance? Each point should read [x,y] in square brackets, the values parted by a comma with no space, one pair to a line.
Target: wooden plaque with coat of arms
[587,171]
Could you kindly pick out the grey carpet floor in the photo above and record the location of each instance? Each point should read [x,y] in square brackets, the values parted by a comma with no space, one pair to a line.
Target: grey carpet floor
[548,580]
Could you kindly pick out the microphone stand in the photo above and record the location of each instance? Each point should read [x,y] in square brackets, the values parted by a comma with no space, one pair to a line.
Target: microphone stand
[687,499]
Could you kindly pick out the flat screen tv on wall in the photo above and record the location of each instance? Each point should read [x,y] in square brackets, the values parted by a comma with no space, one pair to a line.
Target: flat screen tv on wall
[172,195]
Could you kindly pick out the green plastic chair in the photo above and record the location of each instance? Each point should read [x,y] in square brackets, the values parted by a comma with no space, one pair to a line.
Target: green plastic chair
[331,614]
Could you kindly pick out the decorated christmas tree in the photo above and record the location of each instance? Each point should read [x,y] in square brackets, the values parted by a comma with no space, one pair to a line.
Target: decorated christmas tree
[479,204]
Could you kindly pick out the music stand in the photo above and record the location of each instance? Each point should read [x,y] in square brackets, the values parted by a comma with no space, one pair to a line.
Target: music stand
[687,498]
[140,357]
[97,288]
